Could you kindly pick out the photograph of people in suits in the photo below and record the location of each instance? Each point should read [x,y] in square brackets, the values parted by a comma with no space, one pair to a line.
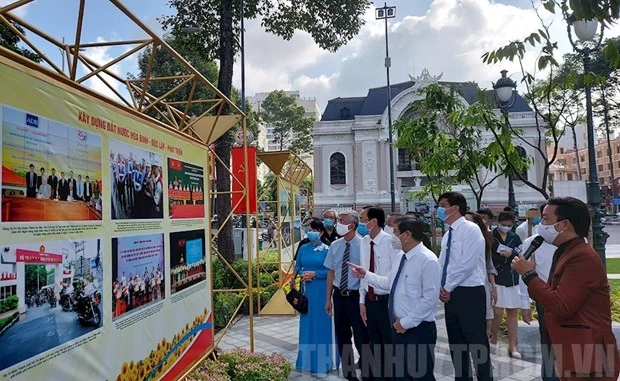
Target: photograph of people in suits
[136,182]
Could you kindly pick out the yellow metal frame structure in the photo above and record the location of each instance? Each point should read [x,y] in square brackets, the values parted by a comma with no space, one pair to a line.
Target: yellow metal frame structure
[290,171]
[165,111]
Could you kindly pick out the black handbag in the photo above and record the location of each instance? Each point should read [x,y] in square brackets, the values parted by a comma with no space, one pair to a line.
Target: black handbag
[297,299]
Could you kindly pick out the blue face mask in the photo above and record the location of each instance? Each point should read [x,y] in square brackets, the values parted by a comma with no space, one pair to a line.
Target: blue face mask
[441,213]
[362,229]
[313,236]
[328,223]
[536,220]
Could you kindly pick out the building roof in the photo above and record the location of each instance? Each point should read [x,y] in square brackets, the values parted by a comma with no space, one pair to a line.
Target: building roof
[375,102]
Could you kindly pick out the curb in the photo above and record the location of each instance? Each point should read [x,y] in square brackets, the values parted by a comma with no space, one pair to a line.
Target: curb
[15,318]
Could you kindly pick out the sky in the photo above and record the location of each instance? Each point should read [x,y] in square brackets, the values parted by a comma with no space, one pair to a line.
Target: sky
[444,36]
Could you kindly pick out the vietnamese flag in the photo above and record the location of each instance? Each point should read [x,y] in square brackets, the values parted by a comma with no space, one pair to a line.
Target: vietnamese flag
[174,164]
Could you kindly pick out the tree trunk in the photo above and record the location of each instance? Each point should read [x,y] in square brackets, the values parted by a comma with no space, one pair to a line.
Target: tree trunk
[572,127]
[611,154]
[223,144]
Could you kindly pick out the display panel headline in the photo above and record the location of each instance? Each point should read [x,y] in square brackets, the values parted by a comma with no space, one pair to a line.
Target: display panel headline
[114,128]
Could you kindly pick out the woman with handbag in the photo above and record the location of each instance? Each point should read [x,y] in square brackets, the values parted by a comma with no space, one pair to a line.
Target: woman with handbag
[315,332]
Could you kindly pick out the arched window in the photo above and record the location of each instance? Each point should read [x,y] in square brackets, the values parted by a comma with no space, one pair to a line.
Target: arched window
[337,169]
[523,155]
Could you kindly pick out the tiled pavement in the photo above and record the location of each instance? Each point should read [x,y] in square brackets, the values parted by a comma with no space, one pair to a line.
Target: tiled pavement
[279,334]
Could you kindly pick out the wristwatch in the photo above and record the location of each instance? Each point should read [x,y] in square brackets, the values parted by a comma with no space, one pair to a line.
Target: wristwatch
[529,275]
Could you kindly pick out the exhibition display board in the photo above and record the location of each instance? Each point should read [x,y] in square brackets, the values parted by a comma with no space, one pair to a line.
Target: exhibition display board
[102,238]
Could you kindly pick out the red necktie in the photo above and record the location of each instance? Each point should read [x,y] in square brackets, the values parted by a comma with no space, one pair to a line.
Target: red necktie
[371,290]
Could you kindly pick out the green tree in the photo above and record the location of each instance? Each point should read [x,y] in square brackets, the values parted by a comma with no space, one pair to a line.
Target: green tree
[36,278]
[448,144]
[331,23]
[10,40]
[289,121]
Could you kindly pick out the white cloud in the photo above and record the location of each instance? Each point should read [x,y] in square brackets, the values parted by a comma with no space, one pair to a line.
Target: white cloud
[450,38]
[102,55]
[20,11]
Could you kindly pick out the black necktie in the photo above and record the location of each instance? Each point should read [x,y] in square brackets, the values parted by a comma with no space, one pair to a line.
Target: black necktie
[344,279]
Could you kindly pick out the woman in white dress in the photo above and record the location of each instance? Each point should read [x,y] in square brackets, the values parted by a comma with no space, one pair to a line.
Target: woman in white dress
[506,245]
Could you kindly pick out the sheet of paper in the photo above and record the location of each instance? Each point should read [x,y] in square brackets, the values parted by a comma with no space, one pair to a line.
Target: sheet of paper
[501,248]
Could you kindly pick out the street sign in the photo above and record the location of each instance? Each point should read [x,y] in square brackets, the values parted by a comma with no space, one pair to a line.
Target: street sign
[617,200]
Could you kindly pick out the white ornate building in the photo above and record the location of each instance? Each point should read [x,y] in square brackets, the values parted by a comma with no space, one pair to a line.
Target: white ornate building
[351,152]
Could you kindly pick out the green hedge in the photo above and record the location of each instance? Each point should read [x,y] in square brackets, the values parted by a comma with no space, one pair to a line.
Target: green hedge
[225,303]
[9,304]
[241,365]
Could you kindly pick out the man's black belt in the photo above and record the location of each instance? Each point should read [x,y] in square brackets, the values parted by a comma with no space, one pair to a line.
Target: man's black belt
[378,298]
[347,292]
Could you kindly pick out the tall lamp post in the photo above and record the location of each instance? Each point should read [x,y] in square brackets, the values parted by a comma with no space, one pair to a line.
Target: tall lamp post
[505,91]
[386,13]
[586,32]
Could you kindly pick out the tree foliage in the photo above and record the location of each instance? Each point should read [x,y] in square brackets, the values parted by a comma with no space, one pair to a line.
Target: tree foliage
[446,140]
[331,23]
[289,121]
[10,40]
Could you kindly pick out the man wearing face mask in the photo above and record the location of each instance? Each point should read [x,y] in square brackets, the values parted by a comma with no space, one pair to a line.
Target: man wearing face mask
[329,221]
[528,227]
[390,222]
[412,308]
[344,289]
[543,258]
[463,272]
[377,255]
[576,297]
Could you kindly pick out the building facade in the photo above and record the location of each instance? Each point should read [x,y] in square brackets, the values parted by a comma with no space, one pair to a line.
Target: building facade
[351,151]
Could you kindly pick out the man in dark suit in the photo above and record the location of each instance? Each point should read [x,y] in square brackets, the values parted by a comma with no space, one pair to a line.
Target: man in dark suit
[31,183]
[40,178]
[576,297]
[63,187]
[52,180]
[88,189]
[72,180]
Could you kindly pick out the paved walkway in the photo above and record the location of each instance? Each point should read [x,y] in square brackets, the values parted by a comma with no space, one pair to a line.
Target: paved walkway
[279,334]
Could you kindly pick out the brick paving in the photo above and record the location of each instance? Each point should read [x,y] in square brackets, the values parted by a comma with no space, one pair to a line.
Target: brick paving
[279,334]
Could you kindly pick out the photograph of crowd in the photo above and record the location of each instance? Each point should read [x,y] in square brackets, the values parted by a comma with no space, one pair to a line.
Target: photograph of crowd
[50,171]
[185,189]
[137,272]
[55,291]
[187,259]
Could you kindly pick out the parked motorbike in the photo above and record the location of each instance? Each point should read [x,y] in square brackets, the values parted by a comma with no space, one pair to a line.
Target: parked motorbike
[65,302]
[52,300]
[88,309]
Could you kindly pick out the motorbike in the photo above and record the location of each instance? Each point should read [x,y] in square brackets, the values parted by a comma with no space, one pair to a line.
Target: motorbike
[52,300]
[88,309]
[65,301]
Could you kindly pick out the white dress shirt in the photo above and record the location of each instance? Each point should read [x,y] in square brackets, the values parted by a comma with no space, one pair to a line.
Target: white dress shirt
[466,267]
[417,291]
[385,255]
[522,230]
[543,258]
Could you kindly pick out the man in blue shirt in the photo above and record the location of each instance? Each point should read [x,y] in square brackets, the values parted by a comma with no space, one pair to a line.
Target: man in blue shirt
[344,288]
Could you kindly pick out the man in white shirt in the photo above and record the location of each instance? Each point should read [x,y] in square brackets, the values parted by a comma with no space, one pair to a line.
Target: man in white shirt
[527,228]
[463,271]
[378,256]
[391,222]
[413,301]
[543,256]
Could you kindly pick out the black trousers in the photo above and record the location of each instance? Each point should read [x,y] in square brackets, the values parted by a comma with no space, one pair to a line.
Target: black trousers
[414,353]
[466,326]
[346,319]
[380,334]
[548,368]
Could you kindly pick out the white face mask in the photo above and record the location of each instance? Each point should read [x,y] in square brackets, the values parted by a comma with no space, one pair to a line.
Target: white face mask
[504,229]
[396,244]
[342,229]
[388,230]
[548,232]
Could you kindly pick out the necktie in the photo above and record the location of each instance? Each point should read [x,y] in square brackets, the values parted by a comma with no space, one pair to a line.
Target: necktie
[344,278]
[371,290]
[444,273]
[393,289]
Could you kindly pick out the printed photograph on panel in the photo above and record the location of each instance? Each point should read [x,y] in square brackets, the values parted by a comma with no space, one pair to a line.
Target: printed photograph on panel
[137,272]
[187,259]
[50,295]
[50,171]
[136,182]
[185,189]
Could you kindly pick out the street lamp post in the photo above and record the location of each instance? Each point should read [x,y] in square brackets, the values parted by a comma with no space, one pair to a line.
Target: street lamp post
[386,13]
[505,91]
[586,32]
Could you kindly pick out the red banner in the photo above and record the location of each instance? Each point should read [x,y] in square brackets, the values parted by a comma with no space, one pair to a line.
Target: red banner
[239,166]
[29,256]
